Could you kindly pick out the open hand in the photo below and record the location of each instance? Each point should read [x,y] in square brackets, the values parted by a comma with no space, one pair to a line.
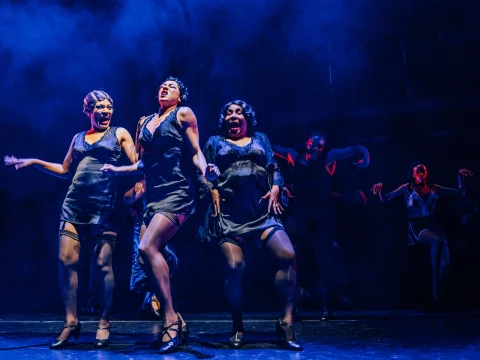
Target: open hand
[19,163]
[211,172]
[465,173]
[377,188]
[273,203]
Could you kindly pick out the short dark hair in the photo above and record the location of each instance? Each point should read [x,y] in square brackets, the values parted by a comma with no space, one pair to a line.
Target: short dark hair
[181,86]
[92,98]
[410,169]
[247,112]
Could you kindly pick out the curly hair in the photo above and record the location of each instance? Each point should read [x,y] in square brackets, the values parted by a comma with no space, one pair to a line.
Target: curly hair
[92,98]
[181,86]
[247,112]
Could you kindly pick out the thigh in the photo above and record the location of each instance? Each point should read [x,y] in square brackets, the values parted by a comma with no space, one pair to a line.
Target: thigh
[104,245]
[232,253]
[159,231]
[428,237]
[279,244]
[69,243]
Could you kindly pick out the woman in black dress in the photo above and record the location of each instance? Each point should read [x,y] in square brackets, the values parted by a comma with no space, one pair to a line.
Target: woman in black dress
[245,208]
[420,199]
[88,215]
[163,140]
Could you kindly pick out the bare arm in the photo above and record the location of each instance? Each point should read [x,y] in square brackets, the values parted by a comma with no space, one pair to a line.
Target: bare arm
[135,193]
[55,169]
[187,118]
[128,147]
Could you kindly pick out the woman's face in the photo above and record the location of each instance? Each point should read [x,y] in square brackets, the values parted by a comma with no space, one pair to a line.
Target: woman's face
[169,93]
[101,115]
[314,147]
[235,122]
[420,174]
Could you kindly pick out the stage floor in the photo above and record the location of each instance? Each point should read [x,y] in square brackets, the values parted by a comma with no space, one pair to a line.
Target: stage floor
[353,335]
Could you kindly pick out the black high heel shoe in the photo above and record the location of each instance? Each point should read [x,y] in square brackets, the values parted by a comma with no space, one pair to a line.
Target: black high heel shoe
[184,332]
[101,343]
[63,344]
[236,341]
[286,333]
[168,346]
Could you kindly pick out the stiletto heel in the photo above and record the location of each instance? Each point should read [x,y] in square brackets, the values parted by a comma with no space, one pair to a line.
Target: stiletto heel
[168,346]
[63,344]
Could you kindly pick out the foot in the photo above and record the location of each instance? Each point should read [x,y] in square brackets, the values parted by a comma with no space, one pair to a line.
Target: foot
[236,340]
[286,333]
[103,334]
[170,337]
[324,314]
[70,329]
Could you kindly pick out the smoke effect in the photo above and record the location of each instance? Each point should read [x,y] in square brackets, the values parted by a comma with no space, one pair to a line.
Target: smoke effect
[54,52]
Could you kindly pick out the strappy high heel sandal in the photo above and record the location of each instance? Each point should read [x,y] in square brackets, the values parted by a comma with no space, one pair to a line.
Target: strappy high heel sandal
[168,346]
[286,333]
[63,344]
[101,343]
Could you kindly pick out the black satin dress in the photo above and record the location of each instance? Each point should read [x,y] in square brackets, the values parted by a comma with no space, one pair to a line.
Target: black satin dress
[246,174]
[91,198]
[168,189]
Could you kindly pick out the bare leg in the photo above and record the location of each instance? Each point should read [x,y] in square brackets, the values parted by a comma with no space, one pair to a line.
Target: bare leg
[68,257]
[156,236]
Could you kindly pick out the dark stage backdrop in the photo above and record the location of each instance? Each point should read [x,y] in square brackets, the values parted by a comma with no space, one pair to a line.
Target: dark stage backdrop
[399,77]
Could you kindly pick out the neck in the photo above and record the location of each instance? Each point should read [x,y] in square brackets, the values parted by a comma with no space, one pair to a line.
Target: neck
[166,109]
[93,130]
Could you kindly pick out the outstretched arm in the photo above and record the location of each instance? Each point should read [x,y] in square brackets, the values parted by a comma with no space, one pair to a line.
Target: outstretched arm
[359,153]
[377,190]
[285,153]
[462,174]
[59,170]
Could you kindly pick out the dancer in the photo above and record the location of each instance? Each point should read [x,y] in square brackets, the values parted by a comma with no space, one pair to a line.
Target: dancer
[88,215]
[311,223]
[420,199]
[246,208]
[135,199]
[162,141]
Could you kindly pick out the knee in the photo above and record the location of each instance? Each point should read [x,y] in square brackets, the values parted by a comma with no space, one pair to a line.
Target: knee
[68,259]
[287,257]
[146,251]
[104,264]
[235,265]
